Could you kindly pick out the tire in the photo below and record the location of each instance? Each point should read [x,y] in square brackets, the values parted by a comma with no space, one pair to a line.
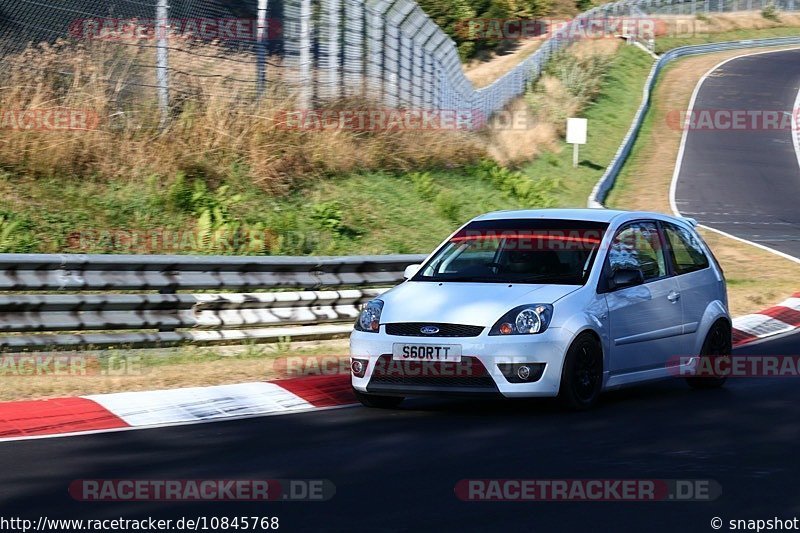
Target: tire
[718,343]
[379,402]
[582,375]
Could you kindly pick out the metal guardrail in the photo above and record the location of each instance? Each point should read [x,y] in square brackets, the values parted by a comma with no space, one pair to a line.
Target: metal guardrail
[52,301]
[609,177]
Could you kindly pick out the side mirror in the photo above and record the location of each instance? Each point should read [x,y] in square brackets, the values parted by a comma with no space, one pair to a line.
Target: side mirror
[625,277]
[411,271]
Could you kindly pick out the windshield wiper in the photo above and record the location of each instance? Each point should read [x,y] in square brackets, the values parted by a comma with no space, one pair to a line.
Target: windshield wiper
[544,276]
[460,278]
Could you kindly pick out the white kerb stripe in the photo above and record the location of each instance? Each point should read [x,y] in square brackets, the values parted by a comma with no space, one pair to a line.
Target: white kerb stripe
[196,404]
[761,325]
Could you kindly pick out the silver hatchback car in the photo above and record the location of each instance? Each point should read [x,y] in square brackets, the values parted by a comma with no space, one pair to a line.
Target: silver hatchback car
[546,302]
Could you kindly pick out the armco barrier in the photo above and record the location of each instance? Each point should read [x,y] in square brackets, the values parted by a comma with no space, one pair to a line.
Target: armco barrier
[52,301]
[609,177]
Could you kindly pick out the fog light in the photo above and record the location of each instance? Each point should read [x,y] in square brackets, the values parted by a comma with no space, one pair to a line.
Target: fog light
[359,367]
[522,372]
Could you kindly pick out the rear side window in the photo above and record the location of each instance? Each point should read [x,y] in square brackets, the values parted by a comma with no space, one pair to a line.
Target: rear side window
[685,250]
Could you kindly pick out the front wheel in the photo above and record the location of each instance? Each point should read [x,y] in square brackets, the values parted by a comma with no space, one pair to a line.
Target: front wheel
[718,343]
[582,375]
[380,402]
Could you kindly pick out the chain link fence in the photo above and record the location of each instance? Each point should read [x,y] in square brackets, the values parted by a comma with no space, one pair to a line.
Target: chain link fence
[162,55]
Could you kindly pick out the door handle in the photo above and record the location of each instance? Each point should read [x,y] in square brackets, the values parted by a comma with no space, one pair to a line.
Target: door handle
[673,296]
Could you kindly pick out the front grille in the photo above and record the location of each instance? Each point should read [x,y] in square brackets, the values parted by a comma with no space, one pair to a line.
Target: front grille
[468,375]
[412,329]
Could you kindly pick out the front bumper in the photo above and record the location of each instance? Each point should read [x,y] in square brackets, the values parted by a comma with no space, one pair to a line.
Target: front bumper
[480,375]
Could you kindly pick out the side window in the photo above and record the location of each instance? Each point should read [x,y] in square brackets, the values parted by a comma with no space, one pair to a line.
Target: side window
[685,250]
[638,246]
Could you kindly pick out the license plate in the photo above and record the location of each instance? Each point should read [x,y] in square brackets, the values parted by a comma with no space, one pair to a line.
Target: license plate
[426,352]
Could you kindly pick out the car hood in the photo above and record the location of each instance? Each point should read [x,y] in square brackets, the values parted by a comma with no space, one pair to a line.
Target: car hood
[476,304]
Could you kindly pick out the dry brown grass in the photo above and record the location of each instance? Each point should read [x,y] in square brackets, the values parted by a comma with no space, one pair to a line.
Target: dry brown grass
[606,47]
[513,143]
[527,128]
[483,72]
[676,25]
[756,279]
[217,124]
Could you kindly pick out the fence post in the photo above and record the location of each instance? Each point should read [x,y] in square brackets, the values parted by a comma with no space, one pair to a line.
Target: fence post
[354,47]
[330,35]
[297,49]
[261,44]
[162,60]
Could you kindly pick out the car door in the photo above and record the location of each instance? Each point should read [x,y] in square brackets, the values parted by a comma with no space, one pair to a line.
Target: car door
[645,321]
[697,282]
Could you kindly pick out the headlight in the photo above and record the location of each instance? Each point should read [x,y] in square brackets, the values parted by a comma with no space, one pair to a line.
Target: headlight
[524,320]
[370,317]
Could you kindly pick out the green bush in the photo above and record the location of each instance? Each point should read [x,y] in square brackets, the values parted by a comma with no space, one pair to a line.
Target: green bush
[15,234]
[530,192]
[328,215]
[452,16]
[770,13]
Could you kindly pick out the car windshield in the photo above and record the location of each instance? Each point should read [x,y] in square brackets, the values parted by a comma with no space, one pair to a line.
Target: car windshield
[518,251]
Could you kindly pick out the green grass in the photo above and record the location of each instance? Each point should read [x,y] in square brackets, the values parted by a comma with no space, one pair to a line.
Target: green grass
[609,117]
[664,44]
[371,213]
[629,168]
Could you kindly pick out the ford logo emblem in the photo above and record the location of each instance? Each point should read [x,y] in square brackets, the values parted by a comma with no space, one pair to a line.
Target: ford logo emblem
[429,330]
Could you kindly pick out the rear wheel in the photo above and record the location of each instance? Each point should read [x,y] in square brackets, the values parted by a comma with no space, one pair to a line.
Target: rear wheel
[718,343]
[582,375]
[380,402]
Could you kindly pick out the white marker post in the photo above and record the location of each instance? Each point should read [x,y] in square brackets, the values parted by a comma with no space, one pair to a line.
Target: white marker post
[576,135]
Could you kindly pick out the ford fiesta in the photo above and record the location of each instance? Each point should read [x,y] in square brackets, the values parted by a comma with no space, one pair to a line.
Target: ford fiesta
[551,302]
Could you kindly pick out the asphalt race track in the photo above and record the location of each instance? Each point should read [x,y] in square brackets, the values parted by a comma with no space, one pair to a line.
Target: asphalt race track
[396,470]
[746,182]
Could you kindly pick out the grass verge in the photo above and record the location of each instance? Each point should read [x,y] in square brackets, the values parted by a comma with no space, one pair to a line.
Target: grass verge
[704,29]
[153,369]
[609,116]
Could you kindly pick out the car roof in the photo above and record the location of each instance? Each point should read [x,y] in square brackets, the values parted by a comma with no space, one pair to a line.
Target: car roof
[587,214]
